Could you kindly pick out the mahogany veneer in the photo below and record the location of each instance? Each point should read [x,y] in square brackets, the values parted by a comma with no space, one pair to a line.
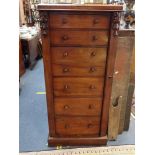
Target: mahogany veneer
[79,48]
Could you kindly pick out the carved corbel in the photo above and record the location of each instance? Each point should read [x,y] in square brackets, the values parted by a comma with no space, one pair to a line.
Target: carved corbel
[44,23]
[115,23]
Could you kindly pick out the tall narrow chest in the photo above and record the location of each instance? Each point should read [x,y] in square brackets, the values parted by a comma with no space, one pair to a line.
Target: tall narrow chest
[79,48]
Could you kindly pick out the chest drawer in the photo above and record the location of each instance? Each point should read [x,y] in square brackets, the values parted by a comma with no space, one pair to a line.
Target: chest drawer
[79,21]
[78,86]
[68,70]
[69,37]
[79,56]
[76,126]
[78,106]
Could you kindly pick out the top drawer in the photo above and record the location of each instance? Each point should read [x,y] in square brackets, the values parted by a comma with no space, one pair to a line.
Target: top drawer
[79,21]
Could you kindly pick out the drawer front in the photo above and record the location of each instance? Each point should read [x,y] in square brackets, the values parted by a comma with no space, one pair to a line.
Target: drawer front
[78,21]
[69,37]
[76,126]
[64,70]
[78,86]
[78,106]
[79,56]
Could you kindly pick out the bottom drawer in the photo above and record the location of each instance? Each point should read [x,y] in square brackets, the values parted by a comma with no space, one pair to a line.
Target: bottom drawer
[77,126]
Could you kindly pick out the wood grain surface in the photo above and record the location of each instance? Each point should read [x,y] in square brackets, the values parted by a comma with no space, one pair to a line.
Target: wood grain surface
[78,106]
[86,21]
[79,38]
[77,126]
[78,86]
[120,83]
[79,47]
[79,56]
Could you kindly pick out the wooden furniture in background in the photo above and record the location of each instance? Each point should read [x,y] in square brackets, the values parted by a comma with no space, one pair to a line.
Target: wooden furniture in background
[22,18]
[131,89]
[79,48]
[119,112]
[21,60]
[30,49]
[28,12]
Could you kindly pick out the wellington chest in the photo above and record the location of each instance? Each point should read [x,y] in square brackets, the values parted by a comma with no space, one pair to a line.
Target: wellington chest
[79,49]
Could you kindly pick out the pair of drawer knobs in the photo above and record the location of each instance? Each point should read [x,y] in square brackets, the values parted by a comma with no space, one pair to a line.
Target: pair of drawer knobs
[66,107]
[66,87]
[68,126]
[65,54]
[64,21]
[66,70]
[65,37]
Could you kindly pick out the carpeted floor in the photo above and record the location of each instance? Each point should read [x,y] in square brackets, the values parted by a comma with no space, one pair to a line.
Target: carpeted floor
[33,114]
[111,150]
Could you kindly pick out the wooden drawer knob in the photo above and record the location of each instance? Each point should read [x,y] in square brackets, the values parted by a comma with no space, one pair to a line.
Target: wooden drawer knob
[65,37]
[65,54]
[93,53]
[90,125]
[64,21]
[65,70]
[66,107]
[94,38]
[67,126]
[92,87]
[95,21]
[92,69]
[90,106]
[66,87]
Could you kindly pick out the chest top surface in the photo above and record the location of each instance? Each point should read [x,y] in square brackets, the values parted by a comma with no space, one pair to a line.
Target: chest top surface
[80,7]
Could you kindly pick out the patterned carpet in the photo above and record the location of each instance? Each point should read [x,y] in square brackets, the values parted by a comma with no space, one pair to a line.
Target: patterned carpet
[111,150]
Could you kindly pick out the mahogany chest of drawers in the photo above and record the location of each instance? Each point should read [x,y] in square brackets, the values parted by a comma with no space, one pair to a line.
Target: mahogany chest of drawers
[79,48]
